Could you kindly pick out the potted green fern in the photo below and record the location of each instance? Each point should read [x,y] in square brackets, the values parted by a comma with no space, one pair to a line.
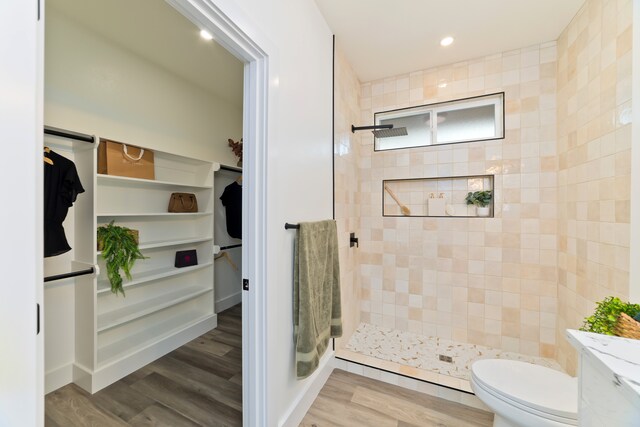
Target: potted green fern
[605,318]
[120,251]
[481,199]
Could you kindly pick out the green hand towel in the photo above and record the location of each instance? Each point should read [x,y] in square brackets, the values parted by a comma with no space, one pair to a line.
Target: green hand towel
[316,293]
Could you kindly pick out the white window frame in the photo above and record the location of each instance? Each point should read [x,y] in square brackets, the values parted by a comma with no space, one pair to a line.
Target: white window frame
[494,99]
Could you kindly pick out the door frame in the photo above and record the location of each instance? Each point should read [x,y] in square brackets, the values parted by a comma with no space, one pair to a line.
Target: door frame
[219,17]
[21,121]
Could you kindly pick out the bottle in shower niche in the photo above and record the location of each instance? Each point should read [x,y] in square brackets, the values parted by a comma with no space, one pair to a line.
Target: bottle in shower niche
[436,204]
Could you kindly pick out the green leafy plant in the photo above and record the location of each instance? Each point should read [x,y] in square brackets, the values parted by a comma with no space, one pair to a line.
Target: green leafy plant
[120,251]
[603,320]
[479,198]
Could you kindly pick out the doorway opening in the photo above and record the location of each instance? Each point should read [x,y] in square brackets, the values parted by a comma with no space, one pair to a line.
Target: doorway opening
[140,86]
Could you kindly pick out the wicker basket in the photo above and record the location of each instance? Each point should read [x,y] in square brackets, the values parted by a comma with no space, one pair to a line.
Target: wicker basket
[627,327]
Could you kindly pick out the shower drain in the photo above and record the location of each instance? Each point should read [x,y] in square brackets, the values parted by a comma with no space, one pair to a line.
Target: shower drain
[444,358]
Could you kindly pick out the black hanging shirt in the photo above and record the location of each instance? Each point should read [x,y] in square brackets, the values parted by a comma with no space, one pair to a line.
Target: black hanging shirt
[61,187]
[232,201]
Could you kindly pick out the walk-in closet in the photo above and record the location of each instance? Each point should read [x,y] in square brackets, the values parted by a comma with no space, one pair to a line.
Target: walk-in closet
[143,134]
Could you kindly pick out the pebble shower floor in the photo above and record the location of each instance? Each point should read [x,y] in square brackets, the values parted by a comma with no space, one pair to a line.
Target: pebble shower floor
[433,354]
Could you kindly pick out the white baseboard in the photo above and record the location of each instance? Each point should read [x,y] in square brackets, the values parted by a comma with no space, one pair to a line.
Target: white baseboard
[82,376]
[228,302]
[59,377]
[94,381]
[314,384]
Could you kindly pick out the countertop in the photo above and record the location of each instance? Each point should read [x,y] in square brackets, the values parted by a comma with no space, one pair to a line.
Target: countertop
[620,358]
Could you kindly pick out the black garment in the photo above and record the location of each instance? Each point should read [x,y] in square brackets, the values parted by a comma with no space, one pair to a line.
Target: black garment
[232,201]
[61,187]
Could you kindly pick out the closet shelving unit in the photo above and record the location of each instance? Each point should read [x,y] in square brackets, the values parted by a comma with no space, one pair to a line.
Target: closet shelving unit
[164,307]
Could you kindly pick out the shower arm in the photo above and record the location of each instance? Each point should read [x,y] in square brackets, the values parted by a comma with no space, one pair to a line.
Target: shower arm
[374,127]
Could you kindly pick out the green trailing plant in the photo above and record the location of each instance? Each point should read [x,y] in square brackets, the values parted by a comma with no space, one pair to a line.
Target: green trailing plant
[120,252]
[479,198]
[603,320]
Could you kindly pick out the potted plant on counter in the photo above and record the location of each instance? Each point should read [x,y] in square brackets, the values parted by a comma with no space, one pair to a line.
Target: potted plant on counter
[119,247]
[614,317]
[481,199]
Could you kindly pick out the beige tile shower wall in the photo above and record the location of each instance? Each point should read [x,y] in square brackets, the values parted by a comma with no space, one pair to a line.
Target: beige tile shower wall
[347,197]
[594,148]
[486,281]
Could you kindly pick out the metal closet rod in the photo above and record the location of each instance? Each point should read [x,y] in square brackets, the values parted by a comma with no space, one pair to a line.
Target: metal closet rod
[224,248]
[50,130]
[67,275]
[231,168]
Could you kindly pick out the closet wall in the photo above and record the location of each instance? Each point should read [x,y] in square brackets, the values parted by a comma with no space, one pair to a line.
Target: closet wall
[97,87]
[228,271]
[59,295]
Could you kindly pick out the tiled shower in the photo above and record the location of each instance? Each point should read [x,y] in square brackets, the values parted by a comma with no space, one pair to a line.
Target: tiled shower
[509,285]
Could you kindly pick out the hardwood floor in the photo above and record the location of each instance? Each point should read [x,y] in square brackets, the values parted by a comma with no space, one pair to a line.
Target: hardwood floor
[355,401]
[199,384]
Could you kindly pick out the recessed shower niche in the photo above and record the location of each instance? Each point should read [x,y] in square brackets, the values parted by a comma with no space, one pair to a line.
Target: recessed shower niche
[434,197]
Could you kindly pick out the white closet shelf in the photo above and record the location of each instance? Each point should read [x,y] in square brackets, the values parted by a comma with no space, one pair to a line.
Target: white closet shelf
[174,242]
[132,343]
[152,214]
[114,318]
[165,306]
[140,182]
[138,278]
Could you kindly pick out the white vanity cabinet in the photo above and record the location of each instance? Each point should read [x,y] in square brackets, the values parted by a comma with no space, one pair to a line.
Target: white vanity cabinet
[609,380]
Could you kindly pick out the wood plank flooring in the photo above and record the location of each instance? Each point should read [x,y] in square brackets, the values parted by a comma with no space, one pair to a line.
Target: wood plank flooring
[199,384]
[351,400]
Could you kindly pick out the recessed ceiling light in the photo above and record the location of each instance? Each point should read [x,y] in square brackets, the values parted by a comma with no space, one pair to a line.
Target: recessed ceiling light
[206,35]
[446,41]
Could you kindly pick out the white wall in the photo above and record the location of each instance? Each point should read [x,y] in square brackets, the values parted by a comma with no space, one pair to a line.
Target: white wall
[299,167]
[96,87]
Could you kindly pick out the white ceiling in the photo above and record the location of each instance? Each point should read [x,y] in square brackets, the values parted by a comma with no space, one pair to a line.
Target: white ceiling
[383,38]
[155,31]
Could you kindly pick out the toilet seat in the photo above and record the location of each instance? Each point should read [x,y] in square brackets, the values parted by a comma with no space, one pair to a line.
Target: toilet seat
[541,391]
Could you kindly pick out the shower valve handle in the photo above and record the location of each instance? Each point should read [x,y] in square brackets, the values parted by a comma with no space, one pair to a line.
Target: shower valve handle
[353,240]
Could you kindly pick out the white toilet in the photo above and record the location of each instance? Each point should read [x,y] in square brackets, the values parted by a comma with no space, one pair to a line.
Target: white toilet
[525,395]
